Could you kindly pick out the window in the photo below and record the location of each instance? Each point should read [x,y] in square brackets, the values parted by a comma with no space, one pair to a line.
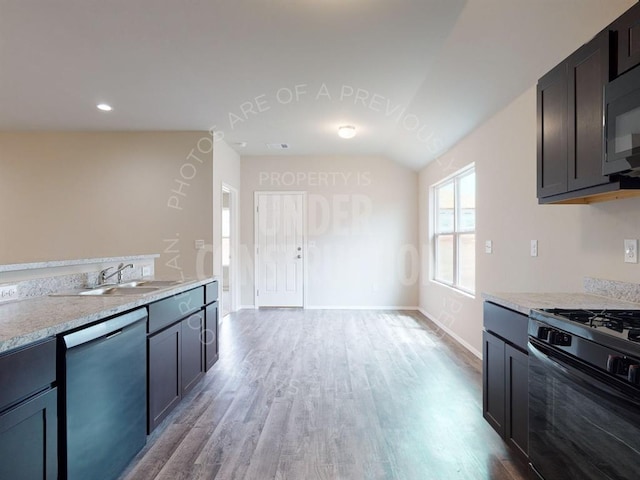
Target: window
[454,239]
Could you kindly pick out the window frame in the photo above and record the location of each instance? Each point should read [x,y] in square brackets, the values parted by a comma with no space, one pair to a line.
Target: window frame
[456,230]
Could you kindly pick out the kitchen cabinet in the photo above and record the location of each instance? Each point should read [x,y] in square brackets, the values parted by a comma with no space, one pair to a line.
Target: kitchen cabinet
[212,316]
[505,390]
[28,413]
[627,40]
[570,131]
[175,351]
[165,373]
[192,355]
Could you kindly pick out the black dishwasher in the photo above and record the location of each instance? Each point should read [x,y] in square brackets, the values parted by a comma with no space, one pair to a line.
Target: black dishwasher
[104,397]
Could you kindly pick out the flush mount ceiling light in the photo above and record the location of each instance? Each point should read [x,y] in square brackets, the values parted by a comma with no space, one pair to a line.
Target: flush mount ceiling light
[104,107]
[346,131]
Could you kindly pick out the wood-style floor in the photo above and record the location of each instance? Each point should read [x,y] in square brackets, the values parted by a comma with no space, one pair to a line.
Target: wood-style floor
[331,395]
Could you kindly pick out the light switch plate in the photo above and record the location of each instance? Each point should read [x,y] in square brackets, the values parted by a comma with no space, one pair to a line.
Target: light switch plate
[199,244]
[631,251]
[488,246]
[534,248]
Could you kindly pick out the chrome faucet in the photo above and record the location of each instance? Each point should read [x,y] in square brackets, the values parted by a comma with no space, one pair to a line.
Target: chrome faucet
[103,277]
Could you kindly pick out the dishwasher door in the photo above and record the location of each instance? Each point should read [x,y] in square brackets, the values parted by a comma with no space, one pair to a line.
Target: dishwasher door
[105,396]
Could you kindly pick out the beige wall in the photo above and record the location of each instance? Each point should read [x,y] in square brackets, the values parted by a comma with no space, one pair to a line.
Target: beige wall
[84,195]
[362,222]
[574,240]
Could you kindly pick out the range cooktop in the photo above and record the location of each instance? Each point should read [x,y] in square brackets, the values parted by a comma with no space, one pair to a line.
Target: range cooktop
[623,324]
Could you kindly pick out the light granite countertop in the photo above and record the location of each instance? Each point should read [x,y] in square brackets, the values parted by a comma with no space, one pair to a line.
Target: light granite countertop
[32,319]
[524,302]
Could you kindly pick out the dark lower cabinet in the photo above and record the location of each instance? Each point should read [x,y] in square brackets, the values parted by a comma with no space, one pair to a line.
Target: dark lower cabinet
[505,388]
[210,335]
[192,351]
[29,439]
[176,365]
[517,399]
[164,374]
[493,382]
[182,345]
[29,413]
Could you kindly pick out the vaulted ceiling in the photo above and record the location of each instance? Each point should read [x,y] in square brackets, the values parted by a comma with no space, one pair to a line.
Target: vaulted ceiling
[414,76]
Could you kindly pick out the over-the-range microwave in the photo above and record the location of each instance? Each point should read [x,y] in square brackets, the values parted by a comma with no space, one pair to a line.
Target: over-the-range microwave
[622,125]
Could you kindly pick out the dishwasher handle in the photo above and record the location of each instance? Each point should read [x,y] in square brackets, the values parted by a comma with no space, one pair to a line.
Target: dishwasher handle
[108,328]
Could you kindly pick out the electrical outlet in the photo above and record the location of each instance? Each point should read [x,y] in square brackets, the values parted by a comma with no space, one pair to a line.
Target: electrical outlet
[199,244]
[488,246]
[146,270]
[534,248]
[631,251]
[8,292]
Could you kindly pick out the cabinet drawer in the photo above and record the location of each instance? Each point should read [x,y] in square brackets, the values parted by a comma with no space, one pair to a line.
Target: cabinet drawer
[507,324]
[211,292]
[26,370]
[169,310]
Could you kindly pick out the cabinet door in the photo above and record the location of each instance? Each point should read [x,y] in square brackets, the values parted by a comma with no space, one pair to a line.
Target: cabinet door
[165,372]
[627,29]
[552,132]
[588,71]
[493,382]
[192,351]
[29,439]
[210,336]
[517,399]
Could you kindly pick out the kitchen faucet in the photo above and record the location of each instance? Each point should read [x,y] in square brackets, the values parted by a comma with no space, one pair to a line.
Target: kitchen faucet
[103,277]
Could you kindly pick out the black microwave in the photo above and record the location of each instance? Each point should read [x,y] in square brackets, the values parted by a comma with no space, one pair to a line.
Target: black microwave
[622,125]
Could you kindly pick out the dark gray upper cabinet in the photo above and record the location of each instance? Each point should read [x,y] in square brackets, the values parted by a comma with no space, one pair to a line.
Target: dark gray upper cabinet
[626,30]
[588,73]
[552,132]
[570,127]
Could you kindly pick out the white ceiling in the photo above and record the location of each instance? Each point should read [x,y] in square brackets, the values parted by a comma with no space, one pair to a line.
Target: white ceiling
[415,76]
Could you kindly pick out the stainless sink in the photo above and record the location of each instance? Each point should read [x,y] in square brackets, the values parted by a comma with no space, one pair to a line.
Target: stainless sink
[133,287]
[107,290]
[149,283]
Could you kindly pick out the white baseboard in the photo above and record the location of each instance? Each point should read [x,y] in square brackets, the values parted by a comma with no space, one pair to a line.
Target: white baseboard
[452,334]
[359,307]
[247,307]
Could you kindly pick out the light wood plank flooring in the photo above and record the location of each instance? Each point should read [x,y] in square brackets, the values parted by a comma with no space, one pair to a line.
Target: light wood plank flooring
[331,395]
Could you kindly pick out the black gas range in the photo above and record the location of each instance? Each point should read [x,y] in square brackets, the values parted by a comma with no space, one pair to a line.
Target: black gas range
[584,394]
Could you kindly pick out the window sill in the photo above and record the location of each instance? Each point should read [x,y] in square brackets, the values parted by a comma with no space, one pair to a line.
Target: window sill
[466,293]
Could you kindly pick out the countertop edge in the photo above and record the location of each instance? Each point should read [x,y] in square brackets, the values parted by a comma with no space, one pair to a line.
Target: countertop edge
[123,304]
[525,302]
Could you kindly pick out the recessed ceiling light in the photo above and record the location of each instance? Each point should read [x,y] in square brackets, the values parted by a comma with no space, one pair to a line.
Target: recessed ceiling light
[104,107]
[240,144]
[347,131]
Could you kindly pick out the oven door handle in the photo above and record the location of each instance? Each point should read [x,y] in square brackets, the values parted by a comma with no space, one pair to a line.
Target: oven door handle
[584,375]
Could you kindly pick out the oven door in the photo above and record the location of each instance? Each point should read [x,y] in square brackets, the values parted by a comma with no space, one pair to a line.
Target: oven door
[583,424]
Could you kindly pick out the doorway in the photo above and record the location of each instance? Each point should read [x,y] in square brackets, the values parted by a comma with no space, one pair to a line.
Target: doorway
[280,239]
[229,302]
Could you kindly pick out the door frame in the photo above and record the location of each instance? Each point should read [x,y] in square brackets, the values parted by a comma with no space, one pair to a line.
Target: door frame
[256,269]
[234,277]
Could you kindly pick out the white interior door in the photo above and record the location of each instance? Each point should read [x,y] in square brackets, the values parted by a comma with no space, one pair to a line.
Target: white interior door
[280,231]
